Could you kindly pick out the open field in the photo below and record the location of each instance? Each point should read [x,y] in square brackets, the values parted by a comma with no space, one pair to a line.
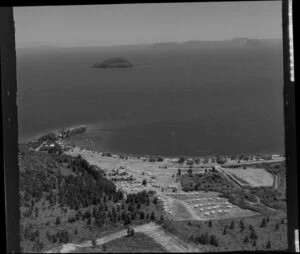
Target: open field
[208,205]
[255,177]
[152,233]
[161,178]
[138,243]
[138,168]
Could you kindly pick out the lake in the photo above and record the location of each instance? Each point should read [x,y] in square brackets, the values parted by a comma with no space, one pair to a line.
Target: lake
[182,101]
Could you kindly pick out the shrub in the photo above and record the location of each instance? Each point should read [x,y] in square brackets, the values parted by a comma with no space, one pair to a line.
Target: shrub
[94,243]
[130,231]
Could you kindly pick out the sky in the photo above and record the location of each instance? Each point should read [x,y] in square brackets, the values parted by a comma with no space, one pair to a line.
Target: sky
[101,25]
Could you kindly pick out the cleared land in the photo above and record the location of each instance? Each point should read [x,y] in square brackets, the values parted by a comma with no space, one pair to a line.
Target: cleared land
[138,243]
[209,205]
[166,241]
[255,177]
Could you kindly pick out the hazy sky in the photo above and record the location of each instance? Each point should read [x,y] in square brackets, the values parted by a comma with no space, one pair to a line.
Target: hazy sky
[145,23]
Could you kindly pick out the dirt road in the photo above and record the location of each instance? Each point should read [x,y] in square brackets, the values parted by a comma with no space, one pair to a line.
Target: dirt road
[170,242]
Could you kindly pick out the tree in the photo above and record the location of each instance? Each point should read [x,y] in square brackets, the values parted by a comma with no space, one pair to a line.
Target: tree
[268,246]
[209,223]
[253,235]
[151,159]
[246,239]
[221,160]
[94,243]
[142,215]
[254,243]
[191,238]
[36,212]
[144,182]
[277,226]
[263,223]
[104,247]
[152,217]
[190,163]
[197,161]
[160,159]
[225,230]
[232,225]
[88,221]
[179,172]
[242,226]
[57,220]
[213,240]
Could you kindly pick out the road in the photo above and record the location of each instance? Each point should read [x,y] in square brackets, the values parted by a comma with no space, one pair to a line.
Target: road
[170,242]
[219,169]
[280,159]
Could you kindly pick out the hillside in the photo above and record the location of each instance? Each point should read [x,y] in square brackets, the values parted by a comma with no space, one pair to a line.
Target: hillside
[64,199]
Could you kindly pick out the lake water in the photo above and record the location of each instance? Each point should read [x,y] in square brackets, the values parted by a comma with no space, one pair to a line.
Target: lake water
[172,102]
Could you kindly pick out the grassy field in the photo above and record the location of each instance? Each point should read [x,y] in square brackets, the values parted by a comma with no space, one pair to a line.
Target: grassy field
[233,239]
[208,205]
[263,199]
[256,177]
[138,243]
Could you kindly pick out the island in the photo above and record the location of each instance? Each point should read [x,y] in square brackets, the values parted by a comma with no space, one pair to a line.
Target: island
[116,62]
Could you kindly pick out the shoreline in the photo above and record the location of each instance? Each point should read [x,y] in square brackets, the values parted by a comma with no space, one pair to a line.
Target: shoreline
[72,130]
[88,146]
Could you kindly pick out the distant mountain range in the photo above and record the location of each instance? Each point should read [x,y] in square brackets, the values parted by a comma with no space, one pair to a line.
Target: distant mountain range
[237,42]
[192,44]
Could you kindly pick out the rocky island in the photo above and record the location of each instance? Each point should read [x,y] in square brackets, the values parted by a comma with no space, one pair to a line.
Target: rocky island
[116,62]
